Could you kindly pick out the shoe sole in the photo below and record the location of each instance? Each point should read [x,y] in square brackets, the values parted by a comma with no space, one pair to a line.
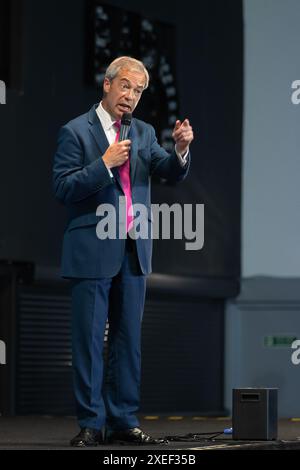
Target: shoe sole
[96,444]
[132,443]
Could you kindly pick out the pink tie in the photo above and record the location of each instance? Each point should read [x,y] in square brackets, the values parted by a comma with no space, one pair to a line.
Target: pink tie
[124,172]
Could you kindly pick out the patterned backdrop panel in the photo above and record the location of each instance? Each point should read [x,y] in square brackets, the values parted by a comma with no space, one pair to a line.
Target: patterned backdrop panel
[114,32]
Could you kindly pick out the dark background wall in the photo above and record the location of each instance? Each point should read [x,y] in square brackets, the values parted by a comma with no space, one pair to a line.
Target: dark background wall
[47,89]
[43,62]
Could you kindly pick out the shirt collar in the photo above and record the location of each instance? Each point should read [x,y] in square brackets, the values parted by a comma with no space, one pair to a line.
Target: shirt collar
[106,119]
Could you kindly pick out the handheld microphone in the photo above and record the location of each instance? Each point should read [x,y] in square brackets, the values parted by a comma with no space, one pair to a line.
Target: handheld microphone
[125,126]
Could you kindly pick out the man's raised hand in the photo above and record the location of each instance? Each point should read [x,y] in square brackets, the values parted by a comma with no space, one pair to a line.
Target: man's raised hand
[183,135]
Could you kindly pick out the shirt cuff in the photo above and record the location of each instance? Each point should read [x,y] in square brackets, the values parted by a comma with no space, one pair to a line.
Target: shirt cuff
[182,158]
[109,171]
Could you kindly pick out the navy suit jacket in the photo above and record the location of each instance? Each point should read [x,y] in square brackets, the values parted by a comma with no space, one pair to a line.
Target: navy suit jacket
[82,182]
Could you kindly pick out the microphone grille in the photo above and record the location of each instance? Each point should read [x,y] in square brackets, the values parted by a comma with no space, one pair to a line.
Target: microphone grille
[126,119]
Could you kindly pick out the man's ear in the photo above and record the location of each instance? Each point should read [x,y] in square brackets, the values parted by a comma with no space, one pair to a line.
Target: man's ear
[106,85]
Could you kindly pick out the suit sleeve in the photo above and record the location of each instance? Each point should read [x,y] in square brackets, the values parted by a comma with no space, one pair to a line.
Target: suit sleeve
[73,182]
[166,165]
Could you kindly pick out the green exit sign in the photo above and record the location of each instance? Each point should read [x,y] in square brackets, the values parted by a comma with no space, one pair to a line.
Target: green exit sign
[279,341]
[2,92]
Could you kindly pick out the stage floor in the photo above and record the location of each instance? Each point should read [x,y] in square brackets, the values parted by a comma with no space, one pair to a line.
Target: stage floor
[51,433]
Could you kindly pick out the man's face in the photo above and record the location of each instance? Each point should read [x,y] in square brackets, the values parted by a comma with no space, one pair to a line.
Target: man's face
[123,92]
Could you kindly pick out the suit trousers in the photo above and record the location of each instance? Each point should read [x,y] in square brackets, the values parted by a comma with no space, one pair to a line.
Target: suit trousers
[108,394]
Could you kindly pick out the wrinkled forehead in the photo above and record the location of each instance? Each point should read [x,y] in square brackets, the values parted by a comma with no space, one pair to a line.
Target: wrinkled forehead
[134,76]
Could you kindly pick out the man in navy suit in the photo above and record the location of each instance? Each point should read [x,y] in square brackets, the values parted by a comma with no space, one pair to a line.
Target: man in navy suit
[108,274]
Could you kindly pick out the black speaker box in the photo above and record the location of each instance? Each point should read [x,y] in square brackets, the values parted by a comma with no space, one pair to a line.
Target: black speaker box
[254,413]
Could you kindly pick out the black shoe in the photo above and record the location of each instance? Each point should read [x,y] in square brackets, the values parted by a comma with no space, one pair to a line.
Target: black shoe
[132,436]
[87,438]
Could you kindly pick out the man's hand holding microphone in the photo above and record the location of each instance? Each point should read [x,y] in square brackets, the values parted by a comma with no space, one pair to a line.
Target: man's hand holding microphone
[117,154]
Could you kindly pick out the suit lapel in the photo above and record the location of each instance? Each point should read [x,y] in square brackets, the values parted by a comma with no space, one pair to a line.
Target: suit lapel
[133,151]
[98,133]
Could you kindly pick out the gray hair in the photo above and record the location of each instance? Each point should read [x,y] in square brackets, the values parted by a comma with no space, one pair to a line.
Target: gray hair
[126,62]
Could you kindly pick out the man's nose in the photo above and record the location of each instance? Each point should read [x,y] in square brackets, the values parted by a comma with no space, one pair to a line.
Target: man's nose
[130,94]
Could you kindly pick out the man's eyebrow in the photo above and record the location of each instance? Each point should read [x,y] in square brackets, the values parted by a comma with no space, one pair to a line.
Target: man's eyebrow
[128,81]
